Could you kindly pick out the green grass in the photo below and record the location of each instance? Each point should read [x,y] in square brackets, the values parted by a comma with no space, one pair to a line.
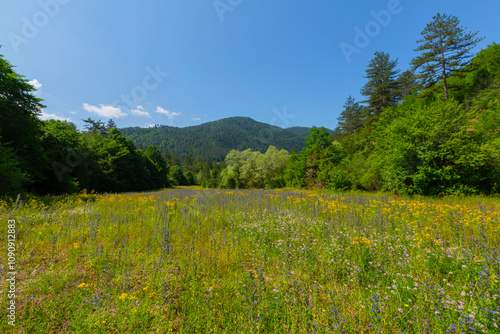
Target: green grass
[209,261]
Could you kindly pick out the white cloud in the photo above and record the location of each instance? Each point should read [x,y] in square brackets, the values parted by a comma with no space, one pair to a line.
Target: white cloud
[45,116]
[167,113]
[139,111]
[196,119]
[104,110]
[149,125]
[35,83]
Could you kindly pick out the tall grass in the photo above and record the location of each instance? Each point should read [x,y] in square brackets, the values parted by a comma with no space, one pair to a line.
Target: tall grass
[209,261]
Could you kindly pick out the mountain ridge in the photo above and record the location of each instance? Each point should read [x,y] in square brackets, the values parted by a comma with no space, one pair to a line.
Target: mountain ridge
[214,139]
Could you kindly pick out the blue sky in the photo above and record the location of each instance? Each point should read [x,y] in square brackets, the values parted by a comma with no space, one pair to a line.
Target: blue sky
[184,63]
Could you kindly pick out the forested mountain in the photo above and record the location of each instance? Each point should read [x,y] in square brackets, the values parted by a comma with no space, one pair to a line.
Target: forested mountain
[214,140]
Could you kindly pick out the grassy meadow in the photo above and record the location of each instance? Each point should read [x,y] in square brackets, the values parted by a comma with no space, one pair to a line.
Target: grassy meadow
[250,261]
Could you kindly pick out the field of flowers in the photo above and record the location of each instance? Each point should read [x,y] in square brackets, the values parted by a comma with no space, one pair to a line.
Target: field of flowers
[211,261]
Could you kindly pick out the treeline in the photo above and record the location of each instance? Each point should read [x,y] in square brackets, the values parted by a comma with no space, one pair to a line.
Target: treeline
[431,130]
[54,157]
[434,129]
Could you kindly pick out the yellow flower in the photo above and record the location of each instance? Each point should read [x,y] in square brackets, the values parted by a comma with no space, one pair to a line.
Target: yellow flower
[123,296]
[145,288]
[83,285]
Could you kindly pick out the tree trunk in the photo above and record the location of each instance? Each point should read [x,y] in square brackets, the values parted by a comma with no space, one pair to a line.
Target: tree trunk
[444,75]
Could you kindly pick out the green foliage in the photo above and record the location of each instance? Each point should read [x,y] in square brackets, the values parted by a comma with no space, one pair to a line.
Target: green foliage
[19,125]
[190,179]
[317,150]
[249,169]
[295,169]
[424,145]
[11,176]
[64,154]
[438,148]
[351,118]
[160,171]
[177,177]
[407,84]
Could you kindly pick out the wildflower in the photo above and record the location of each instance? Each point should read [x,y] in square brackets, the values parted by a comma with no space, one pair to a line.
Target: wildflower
[123,296]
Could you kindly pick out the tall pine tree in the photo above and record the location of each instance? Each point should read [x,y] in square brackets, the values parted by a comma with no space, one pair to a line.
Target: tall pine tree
[381,88]
[351,118]
[445,48]
[407,84]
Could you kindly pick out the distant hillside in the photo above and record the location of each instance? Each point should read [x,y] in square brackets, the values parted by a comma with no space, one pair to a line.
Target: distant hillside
[214,140]
[300,131]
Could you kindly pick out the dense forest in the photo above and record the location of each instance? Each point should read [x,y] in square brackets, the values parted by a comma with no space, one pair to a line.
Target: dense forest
[433,129]
[214,140]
